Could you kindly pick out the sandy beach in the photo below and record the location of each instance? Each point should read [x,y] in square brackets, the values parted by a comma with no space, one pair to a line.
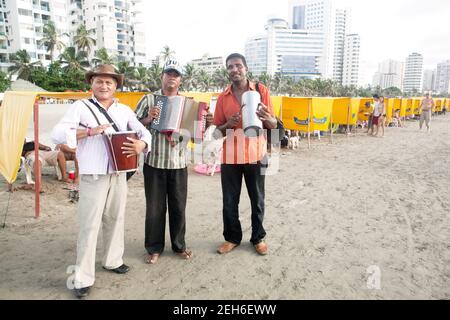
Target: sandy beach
[334,214]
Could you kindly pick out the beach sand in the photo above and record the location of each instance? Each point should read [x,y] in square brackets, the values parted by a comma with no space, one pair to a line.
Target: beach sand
[362,218]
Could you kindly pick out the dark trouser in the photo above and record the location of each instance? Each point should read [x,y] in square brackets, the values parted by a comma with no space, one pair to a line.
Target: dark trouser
[370,124]
[165,187]
[231,176]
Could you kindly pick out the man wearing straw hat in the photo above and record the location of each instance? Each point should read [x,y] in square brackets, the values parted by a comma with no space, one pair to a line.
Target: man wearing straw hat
[103,194]
[242,156]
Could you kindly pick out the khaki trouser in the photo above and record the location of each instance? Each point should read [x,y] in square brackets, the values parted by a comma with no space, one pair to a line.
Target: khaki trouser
[102,203]
[425,116]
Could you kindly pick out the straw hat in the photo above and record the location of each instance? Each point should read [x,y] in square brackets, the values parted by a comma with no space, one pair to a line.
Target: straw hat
[105,70]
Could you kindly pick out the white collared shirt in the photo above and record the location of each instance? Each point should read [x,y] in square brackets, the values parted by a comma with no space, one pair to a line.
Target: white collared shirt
[91,153]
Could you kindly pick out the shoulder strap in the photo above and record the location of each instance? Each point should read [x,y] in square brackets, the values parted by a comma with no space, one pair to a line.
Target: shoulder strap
[92,111]
[103,111]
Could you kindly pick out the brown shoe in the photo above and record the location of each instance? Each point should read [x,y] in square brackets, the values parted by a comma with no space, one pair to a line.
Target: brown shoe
[226,247]
[262,248]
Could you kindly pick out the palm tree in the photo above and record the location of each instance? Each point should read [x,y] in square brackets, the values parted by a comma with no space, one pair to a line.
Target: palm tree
[154,81]
[167,53]
[22,64]
[83,40]
[74,61]
[221,79]
[129,72]
[265,79]
[189,77]
[142,78]
[51,39]
[205,81]
[102,57]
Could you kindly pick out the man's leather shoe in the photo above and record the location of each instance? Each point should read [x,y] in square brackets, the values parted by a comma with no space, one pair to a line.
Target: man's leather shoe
[226,247]
[262,248]
[82,292]
[120,270]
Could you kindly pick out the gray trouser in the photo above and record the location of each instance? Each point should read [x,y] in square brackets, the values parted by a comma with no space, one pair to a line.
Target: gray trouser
[425,116]
[102,203]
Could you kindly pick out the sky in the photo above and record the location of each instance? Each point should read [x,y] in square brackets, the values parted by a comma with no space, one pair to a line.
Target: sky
[389,29]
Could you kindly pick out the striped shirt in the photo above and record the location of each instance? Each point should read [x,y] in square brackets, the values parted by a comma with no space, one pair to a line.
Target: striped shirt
[91,152]
[163,154]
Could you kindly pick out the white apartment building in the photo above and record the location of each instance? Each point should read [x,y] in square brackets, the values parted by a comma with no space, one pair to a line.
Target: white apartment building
[115,23]
[443,77]
[22,24]
[208,64]
[350,69]
[390,74]
[296,53]
[321,15]
[341,29]
[429,80]
[413,73]
[117,27]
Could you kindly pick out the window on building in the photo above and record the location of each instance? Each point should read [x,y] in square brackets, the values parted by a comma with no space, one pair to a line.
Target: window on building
[25,12]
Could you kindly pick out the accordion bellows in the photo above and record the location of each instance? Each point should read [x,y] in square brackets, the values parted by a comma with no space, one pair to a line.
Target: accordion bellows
[179,114]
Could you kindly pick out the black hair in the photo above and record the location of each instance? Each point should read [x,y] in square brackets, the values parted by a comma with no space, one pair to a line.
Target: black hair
[236,56]
[375,96]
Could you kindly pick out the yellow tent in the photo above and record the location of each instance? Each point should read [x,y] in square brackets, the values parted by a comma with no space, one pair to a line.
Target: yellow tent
[408,103]
[360,105]
[416,106]
[439,105]
[344,111]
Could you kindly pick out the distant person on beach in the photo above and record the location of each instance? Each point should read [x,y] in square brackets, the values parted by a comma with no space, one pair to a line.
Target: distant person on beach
[379,114]
[369,110]
[426,106]
[242,157]
[165,174]
[103,193]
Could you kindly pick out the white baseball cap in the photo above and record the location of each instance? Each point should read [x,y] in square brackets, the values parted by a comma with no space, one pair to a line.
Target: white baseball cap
[172,64]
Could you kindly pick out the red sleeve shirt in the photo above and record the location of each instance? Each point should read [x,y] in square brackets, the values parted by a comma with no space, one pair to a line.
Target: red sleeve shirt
[238,148]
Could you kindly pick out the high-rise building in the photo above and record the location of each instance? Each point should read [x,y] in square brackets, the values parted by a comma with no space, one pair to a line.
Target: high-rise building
[117,28]
[429,80]
[340,31]
[208,64]
[389,74]
[413,73]
[317,16]
[22,23]
[295,53]
[321,15]
[115,24]
[350,70]
[443,77]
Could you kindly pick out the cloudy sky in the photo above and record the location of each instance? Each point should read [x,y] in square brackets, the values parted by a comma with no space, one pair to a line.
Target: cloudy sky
[388,28]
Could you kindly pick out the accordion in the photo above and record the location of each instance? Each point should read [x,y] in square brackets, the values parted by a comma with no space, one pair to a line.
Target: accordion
[182,115]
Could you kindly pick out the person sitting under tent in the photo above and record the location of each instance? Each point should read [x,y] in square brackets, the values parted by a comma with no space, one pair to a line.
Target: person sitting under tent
[47,156]
[69,155]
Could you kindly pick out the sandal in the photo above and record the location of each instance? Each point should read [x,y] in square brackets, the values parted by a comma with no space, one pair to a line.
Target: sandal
[152,258]
[186,254]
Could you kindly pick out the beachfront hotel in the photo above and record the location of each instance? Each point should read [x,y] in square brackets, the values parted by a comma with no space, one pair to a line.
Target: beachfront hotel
[312,44]
[413,73]
[115,24]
